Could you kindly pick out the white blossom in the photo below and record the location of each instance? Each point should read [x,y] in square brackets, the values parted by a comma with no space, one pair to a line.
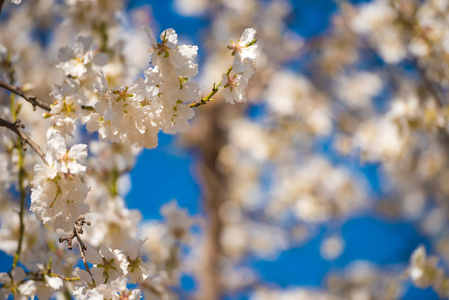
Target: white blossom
[67,108]
[11,284]
[234,86]
[80,59]
[137,269]
[180,57]
[113,262]
[58,193]
[244,51]
[178,221]
[424,271]
[89,281]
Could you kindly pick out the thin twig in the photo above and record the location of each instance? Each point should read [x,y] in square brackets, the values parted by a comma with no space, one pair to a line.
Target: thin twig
[22,204]
[83,250]
[15,128]
[30,98]
[203,100]
[21,179]
[77,230]
[1,5]
[39,276]
[208,98]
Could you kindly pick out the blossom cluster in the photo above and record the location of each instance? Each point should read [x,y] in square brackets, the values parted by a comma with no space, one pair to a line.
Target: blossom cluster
[425,272]
[78,182]
[58,193]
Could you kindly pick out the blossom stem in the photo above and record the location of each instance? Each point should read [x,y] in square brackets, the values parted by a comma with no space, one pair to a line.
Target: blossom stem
[208,98]
[102,30]
[15,128]
[61,276]
[87,107]
[30,98]
[114,185]
[21,179]
[77,230]
[83,248]
[51,274]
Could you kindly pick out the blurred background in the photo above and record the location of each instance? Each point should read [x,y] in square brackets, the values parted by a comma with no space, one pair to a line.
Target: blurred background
[366,239]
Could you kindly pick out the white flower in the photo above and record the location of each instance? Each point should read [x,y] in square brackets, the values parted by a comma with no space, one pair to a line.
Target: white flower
[181,58]
[114,223]
[65,112]
[178,221]
[10,284]
[244,51]
[58,201]
[126,114]
[121,291]
[29,289]
[17,2]
[154,234]
[77,61]
[58,193]
[175,120]
[44,289]
[65,161]
[86,288]
[423,270]
[235,86]
[137,269]
[113,263]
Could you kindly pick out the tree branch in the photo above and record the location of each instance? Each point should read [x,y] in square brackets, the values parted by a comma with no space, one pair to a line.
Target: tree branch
[77,230]
[1,5]
[30,98]
[15,128]
[210,141]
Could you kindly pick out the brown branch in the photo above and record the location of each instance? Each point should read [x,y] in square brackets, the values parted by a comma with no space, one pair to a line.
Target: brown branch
[30,98]
[1,5]
[15,128]
[210,140]
[77,230]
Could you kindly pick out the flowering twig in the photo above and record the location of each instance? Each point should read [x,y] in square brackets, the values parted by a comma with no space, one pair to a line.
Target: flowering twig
[30,98]
[77,230]
[208,98]
[39,276]
[204,100]
[15,127]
